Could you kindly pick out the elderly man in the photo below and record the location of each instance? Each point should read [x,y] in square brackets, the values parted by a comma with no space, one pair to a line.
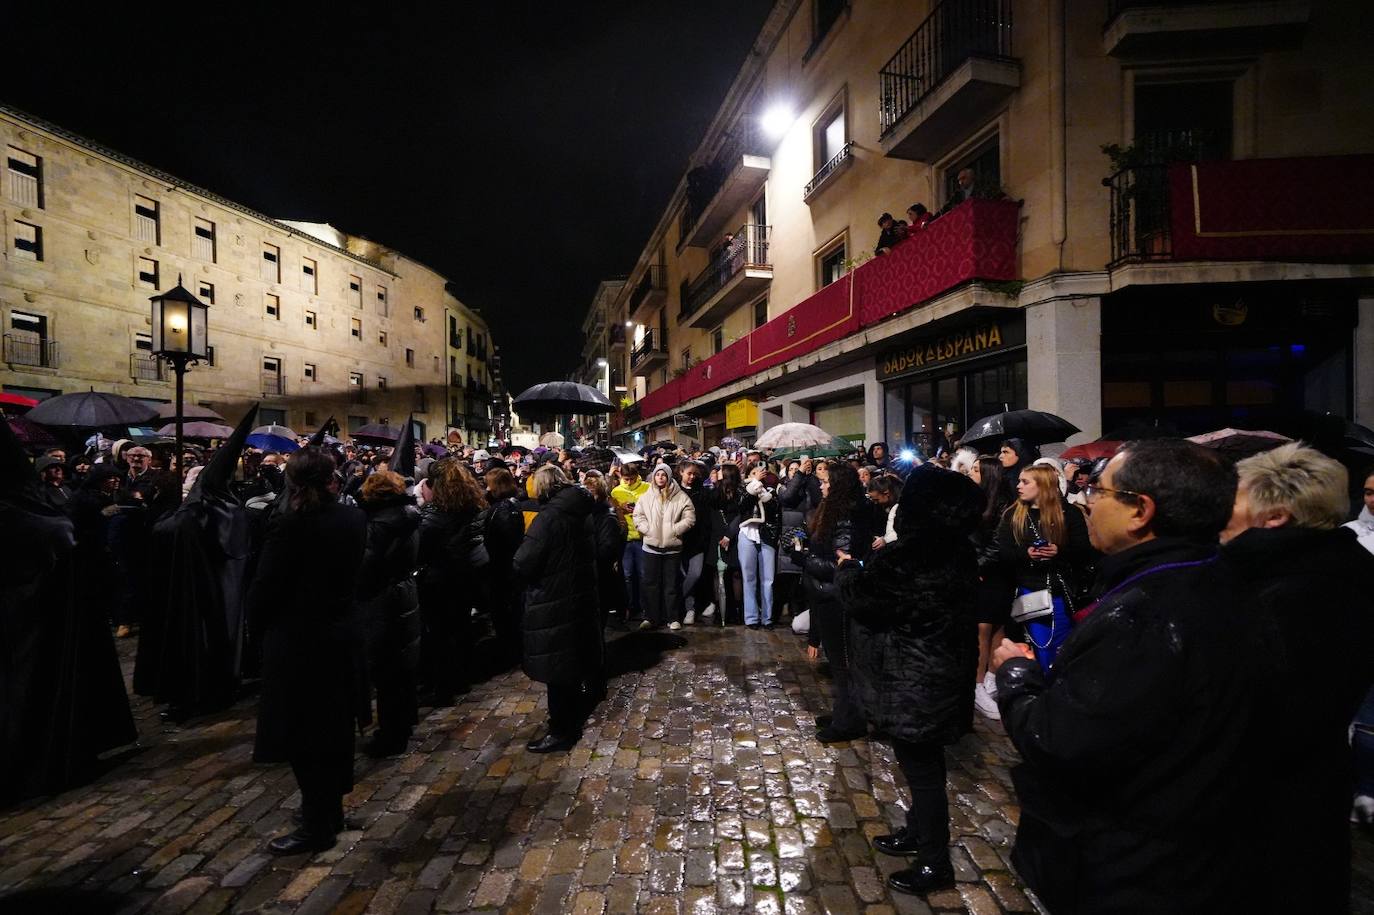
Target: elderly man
[53,474]
[1317,613]
[969,186]
[1133,784]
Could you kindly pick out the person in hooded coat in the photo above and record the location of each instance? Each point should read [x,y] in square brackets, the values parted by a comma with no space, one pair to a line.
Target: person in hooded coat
[913,650]
[1015,455]
[62,697]
[390,607]
[191,644]
[315,692]
[562,621]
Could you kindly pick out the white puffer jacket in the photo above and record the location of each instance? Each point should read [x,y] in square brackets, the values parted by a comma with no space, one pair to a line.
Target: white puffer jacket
[1363,527]
[662,517]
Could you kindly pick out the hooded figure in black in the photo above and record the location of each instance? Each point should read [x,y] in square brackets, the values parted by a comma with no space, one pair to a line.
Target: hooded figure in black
[562,623]
[190,649]
[913,651]
[62,698]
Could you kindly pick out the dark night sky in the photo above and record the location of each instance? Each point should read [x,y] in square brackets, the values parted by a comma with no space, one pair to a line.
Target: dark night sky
[525,152]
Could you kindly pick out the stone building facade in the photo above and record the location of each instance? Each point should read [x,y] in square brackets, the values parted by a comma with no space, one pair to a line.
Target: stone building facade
[1212,269]
[307,320]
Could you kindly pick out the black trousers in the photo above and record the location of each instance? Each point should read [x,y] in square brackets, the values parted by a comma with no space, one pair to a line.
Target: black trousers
[659,589]
[445,642]
[567,709]
[321,795]
[923,766]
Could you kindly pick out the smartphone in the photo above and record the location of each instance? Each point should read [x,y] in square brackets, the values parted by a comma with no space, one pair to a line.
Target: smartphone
[1040,543]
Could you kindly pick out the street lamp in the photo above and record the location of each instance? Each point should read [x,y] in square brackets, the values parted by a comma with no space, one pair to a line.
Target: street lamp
[179,322]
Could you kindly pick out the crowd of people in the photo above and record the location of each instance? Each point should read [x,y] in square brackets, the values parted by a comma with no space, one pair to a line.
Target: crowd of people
[967,184]
[1167,638]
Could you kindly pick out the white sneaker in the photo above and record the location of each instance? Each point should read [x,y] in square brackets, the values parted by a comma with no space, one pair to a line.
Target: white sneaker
[985,704]
[689,617]
[675,625]
[1362,811]
[990,684]
[645,624]
[709,612]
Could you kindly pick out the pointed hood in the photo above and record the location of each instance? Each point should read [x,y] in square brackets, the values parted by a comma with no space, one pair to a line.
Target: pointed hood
[217,474]
[317,440]
[16,472]
[403,458]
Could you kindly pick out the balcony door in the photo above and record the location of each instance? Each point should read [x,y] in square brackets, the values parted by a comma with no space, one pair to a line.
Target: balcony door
[1185,121]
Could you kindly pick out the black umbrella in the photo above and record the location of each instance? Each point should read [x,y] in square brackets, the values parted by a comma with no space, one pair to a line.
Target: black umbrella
[384,432]
[403,458]
[1034,426]
[168,411]
[91,410]
[563,397]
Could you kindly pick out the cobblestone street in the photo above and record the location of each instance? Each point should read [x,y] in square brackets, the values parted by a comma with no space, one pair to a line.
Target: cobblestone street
[696,788]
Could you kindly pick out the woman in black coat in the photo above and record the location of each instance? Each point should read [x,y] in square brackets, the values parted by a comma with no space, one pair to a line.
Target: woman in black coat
[845,521]
[503,529]
[453,556]
[914,648]
[390,606]
[608,529]
[727,512]
[314,673]
[562,622]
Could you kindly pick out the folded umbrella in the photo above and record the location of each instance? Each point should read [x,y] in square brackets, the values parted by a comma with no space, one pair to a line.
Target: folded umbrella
[1034,426]
[91,410]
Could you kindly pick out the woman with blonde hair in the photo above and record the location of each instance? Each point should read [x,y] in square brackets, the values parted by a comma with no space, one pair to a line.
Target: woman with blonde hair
[663,516]
[1043,542]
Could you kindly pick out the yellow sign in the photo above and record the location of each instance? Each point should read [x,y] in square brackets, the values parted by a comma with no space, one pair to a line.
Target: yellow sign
[943,349]
[741,414]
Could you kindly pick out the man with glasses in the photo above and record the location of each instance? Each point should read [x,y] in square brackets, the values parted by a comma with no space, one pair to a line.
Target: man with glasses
[1133,784]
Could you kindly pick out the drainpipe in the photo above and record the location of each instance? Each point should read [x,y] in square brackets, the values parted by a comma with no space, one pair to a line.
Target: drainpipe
[1059,126]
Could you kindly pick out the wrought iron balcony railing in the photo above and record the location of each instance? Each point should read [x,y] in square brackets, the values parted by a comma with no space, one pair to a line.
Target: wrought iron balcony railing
[748,247]
[273,383]
[653,345]
[836,161]
[953,32]
[41,353]
[146,367]
[705,181]
[654,280]
[1140,210]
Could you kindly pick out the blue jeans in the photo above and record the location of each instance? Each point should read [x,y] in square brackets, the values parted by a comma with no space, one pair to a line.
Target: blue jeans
[757,563]
[691,575]
[1364,746]
[1049,632]
[632,564]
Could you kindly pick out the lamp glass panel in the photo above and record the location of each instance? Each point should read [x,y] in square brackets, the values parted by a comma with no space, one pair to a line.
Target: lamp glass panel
[157,324]
[199,315]
[176,326]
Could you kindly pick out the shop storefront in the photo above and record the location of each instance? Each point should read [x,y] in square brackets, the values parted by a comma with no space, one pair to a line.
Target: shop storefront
[937,383]
[1198,358]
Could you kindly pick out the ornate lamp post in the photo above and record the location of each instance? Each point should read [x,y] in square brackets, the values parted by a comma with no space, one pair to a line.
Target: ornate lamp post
[179,325]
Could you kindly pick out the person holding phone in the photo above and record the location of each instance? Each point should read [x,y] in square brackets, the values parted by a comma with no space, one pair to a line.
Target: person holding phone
[1043,542]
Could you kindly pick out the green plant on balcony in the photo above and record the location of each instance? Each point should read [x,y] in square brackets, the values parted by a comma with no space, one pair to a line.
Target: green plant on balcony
[685,367]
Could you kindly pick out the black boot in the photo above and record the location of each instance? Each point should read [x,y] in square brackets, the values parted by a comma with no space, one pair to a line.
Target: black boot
[923,878]
[301,841]
[900,844]
[551,743]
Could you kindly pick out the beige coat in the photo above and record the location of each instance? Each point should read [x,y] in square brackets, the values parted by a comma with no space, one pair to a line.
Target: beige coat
[663,516]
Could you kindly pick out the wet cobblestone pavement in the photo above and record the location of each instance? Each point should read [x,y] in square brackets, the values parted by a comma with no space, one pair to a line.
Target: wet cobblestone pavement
[696,788]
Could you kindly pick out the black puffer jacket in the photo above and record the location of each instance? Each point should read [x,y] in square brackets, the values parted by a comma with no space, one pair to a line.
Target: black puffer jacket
[800,492]
[695,541]
[725,517]
[557,564]
[608,534]
[853,533]
[451,550]
[393,542]
[913,640]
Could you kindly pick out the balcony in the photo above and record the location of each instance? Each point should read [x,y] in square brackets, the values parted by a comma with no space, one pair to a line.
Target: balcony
[952,73]
[1227,210]
[649,352]
[715,192]
[274,384]
[146,367]
[1209,27]
[617,380]
[837,164]
[741,271]
[650,292]
[38,353]
[617,338]
[455,340]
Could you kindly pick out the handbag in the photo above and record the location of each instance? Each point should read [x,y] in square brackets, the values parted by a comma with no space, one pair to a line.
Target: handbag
[1033,605]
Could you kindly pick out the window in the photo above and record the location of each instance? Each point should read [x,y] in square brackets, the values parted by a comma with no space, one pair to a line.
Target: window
[381,337]
[717,340]
[309,282]
[984,160]
[210,355]
[27,341]
[147,273]
[310,417]
[312,320]
[355,327]
[687,358]
[271,264]
[830,263]
[381,301]
[274,307]
[830,134]
[381,382]
[355,379]
[355,289]
[206,291]
[356,422]
[311,374]
[824,15]
[28,241]
[25,171]
[271,365]
[419,313]
[203,240]
[143,343]
[410,357]
[761,312]
[147,222]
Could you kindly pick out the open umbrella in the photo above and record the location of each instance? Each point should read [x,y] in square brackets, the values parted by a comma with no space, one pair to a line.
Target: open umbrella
[1240,443]
[1091,451]
[264,442]
[800,435]
[16,400]
[91,410]
[274,429]
[29,432]
[1034,426]
[382,432]
[563,397]
[626,456]
[551,440]
[168,411]
[198,429]
[731,443]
